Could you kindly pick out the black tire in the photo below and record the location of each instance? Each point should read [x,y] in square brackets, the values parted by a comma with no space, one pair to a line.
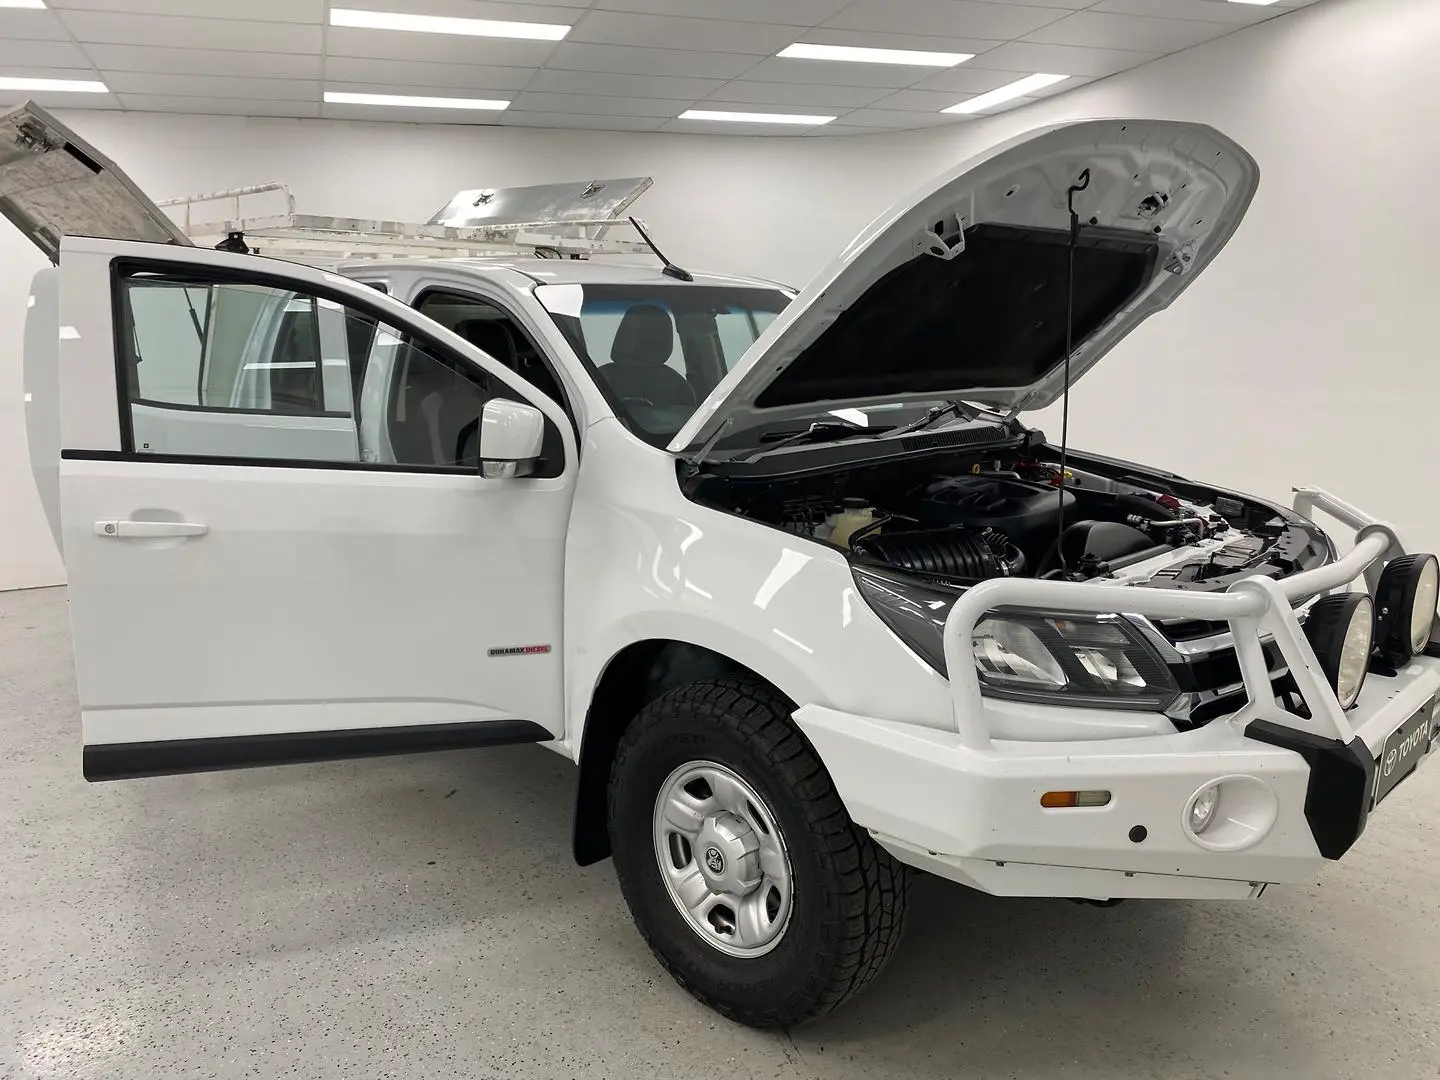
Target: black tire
[849,894]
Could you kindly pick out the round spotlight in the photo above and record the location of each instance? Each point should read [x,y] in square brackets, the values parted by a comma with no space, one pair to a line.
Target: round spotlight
[1409,588]
[1341,630]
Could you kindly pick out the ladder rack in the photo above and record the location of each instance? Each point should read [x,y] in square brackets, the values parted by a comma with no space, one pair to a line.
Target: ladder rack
[261,218]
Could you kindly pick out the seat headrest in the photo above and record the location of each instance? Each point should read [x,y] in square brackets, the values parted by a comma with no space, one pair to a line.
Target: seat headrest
[645,336]
[490,337]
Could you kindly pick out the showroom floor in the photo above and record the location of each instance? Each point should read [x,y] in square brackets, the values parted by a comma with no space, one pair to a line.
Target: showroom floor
[421,917]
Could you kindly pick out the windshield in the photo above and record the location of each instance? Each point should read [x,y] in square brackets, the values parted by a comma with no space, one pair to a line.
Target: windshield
[658,350]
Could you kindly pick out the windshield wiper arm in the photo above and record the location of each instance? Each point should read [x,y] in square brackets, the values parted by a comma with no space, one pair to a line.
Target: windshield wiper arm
[956,407]
[835,429]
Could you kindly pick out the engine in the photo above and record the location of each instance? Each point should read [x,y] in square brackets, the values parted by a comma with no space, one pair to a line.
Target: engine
[999,519]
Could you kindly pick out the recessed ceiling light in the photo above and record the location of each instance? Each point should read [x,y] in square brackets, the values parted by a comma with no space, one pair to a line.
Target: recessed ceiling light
[1256,3]
[805,51]
[335,97]
[1008,92]
[437,24]
[22,3]
[66,86]
[755,117]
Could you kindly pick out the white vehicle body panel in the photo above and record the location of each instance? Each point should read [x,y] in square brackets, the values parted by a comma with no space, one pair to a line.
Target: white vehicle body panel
[317,597]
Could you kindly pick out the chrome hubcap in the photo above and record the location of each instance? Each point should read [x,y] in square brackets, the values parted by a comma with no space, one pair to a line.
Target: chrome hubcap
[722,858]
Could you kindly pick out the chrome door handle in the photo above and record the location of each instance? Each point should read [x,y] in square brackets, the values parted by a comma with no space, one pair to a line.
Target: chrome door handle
[147,529]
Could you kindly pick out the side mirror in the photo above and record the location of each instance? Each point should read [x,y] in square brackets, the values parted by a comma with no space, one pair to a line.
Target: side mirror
[511,434]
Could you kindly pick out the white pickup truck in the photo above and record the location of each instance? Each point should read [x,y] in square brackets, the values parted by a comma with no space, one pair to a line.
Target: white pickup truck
[784,574]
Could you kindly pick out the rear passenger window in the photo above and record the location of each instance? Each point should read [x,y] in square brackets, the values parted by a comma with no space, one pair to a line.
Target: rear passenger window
[241,371]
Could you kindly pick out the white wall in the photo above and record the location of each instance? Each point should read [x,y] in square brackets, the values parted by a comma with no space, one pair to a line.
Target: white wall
[1303,355]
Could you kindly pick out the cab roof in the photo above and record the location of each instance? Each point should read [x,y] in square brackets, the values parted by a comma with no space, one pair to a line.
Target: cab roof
[555,271]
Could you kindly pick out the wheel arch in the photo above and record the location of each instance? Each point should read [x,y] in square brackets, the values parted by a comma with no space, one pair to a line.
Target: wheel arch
[630,679]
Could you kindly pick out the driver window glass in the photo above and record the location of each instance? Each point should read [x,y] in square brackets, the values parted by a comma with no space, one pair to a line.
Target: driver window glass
[221,370]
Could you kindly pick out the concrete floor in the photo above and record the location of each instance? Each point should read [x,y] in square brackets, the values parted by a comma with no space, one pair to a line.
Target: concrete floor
[421,917]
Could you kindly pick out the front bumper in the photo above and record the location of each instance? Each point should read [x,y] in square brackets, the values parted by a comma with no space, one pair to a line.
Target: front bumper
[967,806]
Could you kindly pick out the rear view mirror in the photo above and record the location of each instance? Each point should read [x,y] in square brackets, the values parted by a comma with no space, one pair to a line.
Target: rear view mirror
[511,434]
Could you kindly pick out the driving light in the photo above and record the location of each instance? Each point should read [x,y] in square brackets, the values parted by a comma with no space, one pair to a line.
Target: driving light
[1406,599]
[1341,629]
[1202,810]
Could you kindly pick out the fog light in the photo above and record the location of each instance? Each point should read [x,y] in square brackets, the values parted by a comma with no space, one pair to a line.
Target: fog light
[1202,810]
[1409,588]
[1341,630]
[1250,810]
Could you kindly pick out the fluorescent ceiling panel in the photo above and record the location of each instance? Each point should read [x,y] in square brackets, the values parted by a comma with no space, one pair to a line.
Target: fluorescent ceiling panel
[909,57]
[1008,92]
[436,24]
[22,3]
[1255,3]
[754,118]
[68,86]
[337,97]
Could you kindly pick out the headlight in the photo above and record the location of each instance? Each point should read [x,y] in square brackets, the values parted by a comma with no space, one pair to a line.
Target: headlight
[1101,661]
[1406,599]
[1340,629]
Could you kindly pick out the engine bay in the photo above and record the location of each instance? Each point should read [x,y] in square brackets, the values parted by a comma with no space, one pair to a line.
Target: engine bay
[963,518]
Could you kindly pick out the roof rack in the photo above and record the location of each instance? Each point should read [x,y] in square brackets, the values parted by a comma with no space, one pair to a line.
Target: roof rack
[553,220]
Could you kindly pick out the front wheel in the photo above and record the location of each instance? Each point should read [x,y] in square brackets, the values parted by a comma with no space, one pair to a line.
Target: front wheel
[738,860]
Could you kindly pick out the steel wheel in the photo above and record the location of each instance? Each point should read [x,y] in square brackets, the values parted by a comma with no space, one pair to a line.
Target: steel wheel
[723,859]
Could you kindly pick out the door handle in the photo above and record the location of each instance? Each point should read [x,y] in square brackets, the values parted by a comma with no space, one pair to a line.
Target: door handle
[147,529]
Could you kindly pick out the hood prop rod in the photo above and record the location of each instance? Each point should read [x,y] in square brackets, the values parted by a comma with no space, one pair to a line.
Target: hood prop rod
[1081,183]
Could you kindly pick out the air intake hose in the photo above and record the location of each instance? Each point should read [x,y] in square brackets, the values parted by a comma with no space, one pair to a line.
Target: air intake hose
[952,553]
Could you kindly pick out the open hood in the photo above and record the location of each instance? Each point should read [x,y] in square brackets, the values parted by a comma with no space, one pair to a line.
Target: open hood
[53,184]
[959,291]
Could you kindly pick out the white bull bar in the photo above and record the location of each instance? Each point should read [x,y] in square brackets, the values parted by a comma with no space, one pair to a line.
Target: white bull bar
[1253,607]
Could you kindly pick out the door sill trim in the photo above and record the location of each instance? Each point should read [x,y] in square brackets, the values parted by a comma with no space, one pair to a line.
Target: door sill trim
[125,761]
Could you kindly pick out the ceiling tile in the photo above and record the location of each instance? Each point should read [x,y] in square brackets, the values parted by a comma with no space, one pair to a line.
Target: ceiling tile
[952,18]
[1203,10]
[836,73]
[232,34]
[51,100]
[703,35]
[877,40]
[724,127]
[925,101]
[895,118]
[420,90]
[838,128]
[51,54]
[435,48]
[968,79]
[743,91]
[352,69]
[1063,5]
[789,12]
[203,62]
[587,123]
[23,24]
[219,106]
[604,82]
[598,105]
[299,11]
[218,86]
[389,114]
[1129,32]
[1024,57]
[628,59]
